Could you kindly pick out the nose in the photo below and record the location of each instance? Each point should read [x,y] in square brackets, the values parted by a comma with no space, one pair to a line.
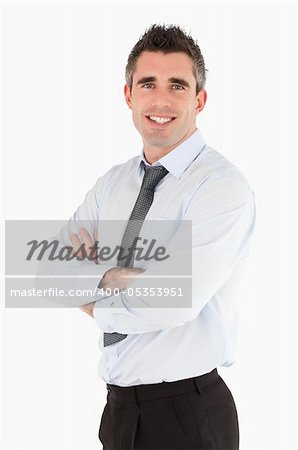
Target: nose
[161,98]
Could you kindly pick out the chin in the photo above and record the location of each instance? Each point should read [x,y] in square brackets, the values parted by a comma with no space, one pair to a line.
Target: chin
[159,143]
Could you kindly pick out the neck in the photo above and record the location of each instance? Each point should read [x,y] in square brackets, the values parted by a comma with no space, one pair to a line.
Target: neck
[155,153]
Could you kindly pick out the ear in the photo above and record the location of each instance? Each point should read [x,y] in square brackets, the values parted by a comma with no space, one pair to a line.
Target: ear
[127,94]
[201,100]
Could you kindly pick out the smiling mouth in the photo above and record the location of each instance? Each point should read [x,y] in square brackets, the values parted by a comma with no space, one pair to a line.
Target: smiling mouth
[161,120]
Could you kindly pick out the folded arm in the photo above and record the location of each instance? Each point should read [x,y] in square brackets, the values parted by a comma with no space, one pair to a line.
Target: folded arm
[222,213]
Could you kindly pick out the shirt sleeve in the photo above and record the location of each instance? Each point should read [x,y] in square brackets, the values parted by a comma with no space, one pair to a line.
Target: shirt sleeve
[222,215]
[78,279]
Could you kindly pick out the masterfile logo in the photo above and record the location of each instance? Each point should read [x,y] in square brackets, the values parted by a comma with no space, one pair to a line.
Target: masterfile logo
[48,266]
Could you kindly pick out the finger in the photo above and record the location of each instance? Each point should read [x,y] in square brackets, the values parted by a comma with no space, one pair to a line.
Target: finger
[76,244]
[86,311]
[88,308]
[95,235]
[86,239]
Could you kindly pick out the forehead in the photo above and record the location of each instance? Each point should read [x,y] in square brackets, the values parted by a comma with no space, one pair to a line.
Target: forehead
[164,65]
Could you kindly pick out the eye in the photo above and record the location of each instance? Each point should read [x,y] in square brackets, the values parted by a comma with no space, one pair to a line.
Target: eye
[148,85]
[178,87]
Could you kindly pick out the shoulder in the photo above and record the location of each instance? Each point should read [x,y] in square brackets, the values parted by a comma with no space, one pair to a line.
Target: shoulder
[121,169]
[217,171]
[124,167]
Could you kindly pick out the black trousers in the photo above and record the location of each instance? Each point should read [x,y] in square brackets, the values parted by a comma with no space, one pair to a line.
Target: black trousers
[195,413]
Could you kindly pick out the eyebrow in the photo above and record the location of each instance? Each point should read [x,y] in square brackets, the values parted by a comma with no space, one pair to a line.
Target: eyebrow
[172,80]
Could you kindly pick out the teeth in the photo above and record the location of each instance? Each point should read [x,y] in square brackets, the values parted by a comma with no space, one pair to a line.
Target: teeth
[160,119]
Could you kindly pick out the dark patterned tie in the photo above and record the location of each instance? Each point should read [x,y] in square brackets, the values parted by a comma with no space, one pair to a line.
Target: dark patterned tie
[141,207]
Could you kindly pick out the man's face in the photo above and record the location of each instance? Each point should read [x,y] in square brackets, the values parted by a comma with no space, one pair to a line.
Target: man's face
[163,99]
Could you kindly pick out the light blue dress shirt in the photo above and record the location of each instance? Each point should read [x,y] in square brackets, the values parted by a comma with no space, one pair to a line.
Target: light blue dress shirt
[168,344]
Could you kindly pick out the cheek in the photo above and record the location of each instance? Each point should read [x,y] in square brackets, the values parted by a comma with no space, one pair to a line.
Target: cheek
[186,106]
[191,112]
[137,119]
[137,111]
[138,102]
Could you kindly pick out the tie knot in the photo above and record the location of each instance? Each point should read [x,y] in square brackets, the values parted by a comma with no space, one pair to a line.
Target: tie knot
[153,175]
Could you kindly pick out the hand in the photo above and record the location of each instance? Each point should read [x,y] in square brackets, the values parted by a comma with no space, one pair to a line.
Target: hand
[77,241]
[119,278]
[88,308]
[84,241]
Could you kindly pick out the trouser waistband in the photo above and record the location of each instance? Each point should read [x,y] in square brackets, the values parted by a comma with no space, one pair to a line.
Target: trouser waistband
[164,389]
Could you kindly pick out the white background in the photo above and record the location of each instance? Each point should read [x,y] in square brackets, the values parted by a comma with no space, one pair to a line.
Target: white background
[65,122]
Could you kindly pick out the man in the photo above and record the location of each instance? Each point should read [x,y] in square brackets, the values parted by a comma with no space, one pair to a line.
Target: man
[160,365]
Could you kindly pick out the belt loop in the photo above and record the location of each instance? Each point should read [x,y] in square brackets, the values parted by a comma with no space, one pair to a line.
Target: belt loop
[197,386]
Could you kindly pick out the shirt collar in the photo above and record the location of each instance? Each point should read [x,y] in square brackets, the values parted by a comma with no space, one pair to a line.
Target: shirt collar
[177,160]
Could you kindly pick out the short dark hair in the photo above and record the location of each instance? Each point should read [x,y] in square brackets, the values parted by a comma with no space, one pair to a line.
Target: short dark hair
[167,39]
